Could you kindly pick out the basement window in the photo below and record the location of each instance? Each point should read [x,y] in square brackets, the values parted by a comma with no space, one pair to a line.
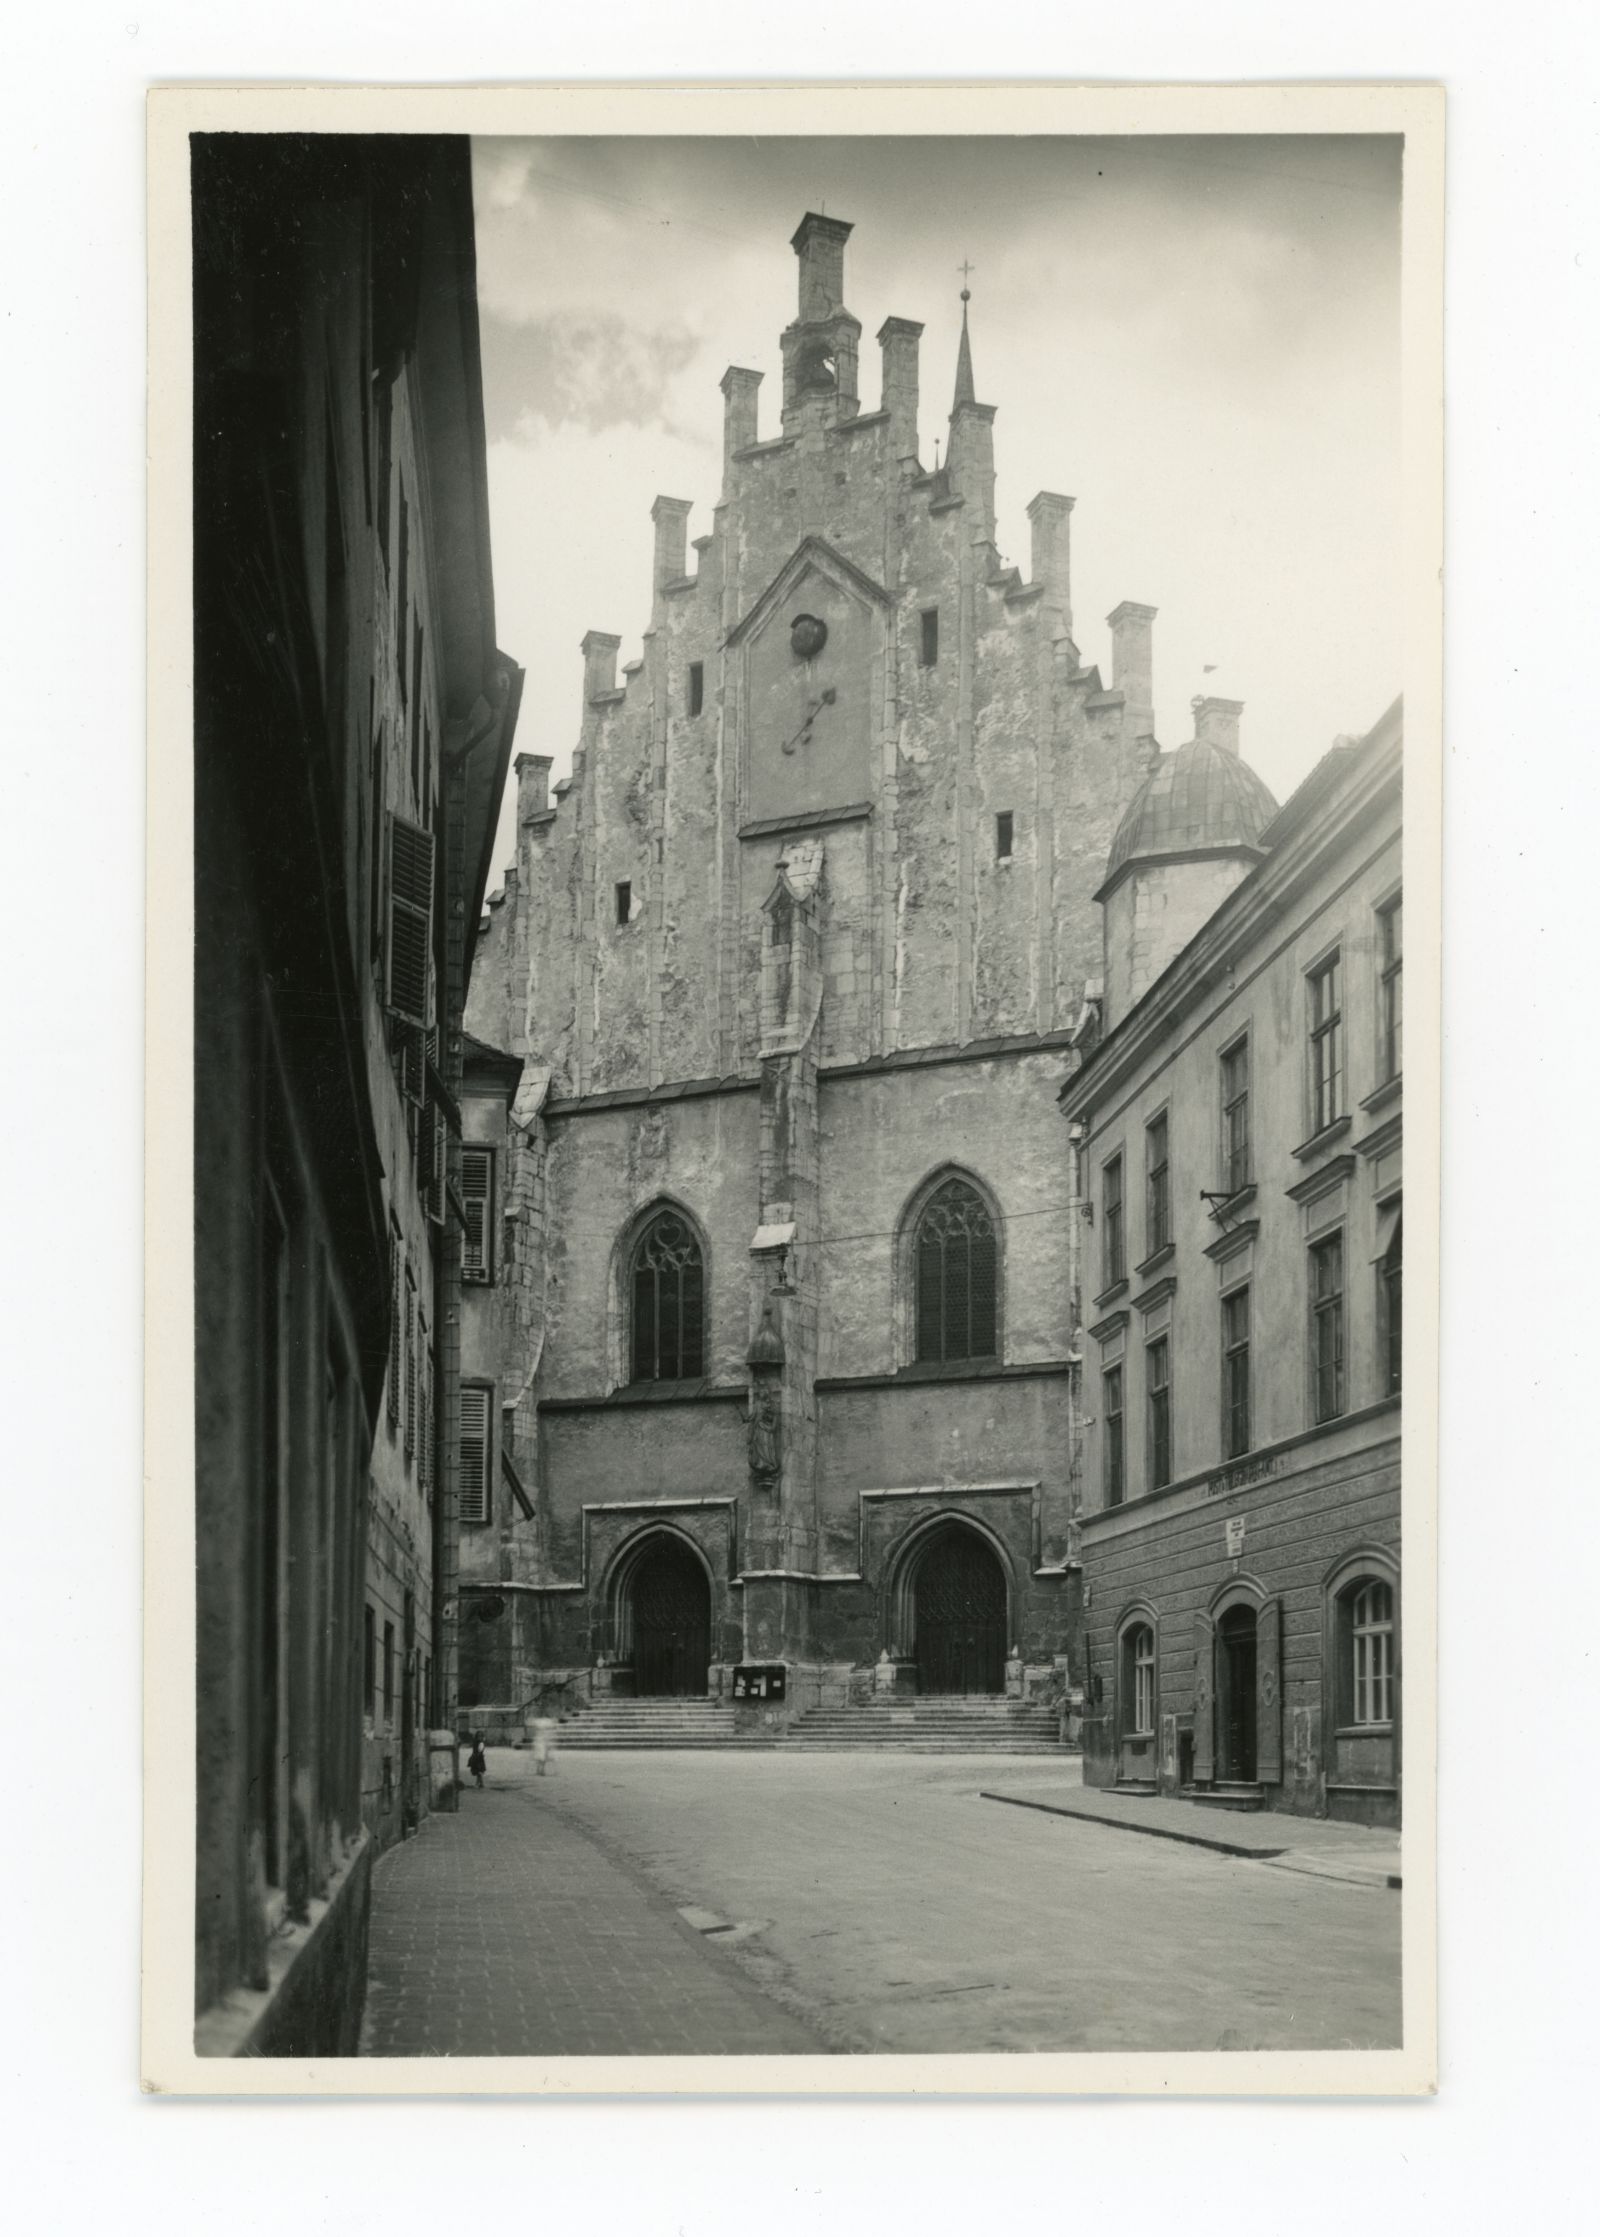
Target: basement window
[697,686]
[1002,835]
[624,901]
[930,637]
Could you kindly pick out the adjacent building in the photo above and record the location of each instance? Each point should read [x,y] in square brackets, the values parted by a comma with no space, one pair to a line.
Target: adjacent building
[770,1317]
[1236,1126]
[353,731]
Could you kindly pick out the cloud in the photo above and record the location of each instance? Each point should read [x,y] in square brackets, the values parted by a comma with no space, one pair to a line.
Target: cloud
[594,370]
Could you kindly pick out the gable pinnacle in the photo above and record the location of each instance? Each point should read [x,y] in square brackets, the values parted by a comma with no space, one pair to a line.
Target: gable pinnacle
[966,393]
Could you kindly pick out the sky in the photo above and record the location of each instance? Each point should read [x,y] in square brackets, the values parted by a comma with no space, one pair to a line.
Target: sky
[1198,339]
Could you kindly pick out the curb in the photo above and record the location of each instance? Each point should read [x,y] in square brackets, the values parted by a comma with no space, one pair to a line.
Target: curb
[1123,1825]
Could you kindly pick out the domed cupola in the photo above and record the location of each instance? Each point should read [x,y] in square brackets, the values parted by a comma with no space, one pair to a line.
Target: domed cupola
[1190,834]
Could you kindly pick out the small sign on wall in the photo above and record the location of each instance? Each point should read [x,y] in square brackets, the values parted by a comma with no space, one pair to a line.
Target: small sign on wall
[1234,1530]
[760,1681]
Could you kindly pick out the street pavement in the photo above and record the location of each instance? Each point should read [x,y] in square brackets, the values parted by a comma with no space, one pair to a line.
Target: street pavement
[763,1902]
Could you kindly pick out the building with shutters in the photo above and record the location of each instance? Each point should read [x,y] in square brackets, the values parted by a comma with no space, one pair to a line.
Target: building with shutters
[776,1299]
[353,731]
[1236,1123]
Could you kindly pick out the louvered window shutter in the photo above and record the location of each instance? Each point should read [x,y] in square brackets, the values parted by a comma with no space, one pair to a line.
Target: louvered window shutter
[425,1408]
[1269,1691]
[477,1197]
[394,1328]
[1205,1736]
[411,1365]
[474,1481]
[410,919]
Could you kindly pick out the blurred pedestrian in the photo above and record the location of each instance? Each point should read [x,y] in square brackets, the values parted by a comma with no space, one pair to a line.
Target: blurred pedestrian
[475,1762]
[544,1743]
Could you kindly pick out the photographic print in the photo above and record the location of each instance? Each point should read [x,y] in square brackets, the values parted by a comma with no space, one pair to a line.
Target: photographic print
[778,1461]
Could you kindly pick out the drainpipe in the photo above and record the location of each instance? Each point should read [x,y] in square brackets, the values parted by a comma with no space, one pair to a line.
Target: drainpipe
[1077,1140]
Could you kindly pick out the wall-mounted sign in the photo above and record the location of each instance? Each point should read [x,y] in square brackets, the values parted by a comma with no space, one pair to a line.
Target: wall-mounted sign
[1234,1529]
[760,1681]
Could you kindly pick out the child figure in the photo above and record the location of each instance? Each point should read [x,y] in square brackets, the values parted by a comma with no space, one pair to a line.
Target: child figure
[543,1743]
[475,1761]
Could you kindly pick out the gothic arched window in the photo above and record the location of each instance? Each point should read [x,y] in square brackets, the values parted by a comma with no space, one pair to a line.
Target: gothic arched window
[956,1276]
[668,1301]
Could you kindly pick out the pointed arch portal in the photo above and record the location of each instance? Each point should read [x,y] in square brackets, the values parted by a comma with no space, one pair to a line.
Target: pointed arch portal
[664,1619]
[957,1591]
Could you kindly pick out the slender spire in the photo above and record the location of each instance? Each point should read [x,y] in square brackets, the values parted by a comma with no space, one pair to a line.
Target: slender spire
[965,391]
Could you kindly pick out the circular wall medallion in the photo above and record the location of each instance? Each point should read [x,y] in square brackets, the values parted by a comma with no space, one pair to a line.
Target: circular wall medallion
[807,635]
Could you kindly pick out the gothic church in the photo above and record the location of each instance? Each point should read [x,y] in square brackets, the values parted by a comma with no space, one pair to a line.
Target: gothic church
[768,1342]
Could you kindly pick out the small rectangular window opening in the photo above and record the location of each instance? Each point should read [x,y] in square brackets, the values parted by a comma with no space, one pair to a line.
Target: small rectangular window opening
[929,651]
[1002,835]
[697,686]
[624,901]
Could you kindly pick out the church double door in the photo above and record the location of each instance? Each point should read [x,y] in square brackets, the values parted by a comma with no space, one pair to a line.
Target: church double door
[961,1617]
[671,1624]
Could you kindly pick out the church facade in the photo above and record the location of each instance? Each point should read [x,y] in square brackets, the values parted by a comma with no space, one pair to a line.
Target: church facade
[770,1307]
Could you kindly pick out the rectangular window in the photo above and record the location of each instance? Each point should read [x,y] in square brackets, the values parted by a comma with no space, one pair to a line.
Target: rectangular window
[1144,1679]
[1389,1313]
[1116,1267]
[1236,1374]
[424,1403]
[1327,1045]
[1327,1329]
[697,686]
[1389,990]
[474,1470]
[624,901]
[1157,1189]
[388,1672]
[369,1661]
[929,650]
[1158,1386]
[1236,1169]
[1372,1654]
[1003,835]
[477,1198]
[1111,1417]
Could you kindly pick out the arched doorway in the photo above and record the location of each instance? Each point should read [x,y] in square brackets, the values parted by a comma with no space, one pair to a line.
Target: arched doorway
[958,1606]
[671,1609]
[1236,1695]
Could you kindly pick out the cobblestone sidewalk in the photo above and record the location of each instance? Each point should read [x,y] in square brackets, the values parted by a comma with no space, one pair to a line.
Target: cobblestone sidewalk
[503,1931]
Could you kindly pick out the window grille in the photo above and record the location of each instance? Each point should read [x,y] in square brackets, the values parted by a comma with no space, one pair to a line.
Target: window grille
[1390,988]
[473,1474]
[1236,1373]
[1327,1328]
[1327,1045]
[956,1276]
[1112,1443]
[1115,1246]
[1159,1389]
[1372,1653]
[1158,1191]
[1236,1117]
[668,1287]
[477,1197]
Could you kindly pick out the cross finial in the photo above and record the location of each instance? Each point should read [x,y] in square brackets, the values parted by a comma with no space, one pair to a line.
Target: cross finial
[966,270]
